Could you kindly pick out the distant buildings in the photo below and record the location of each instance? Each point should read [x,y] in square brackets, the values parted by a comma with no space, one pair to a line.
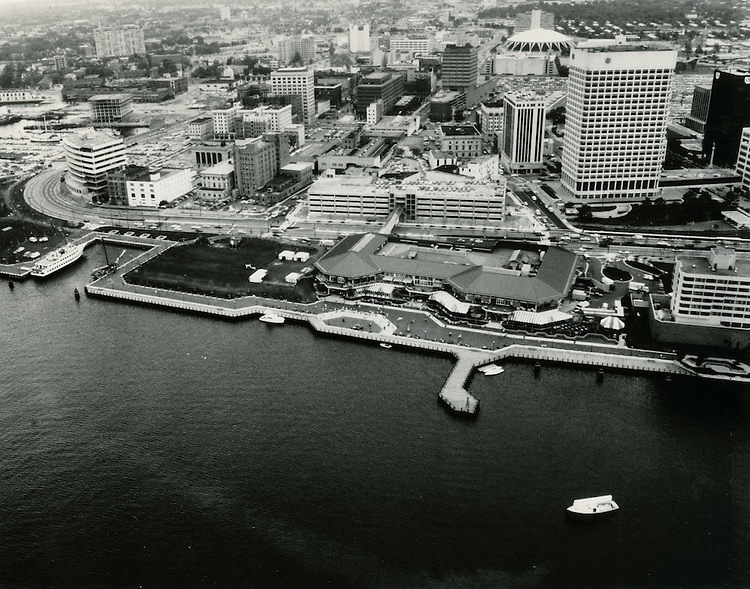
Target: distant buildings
[119,41]
[615,135]
[460,67]
[106,109]
[300,47]
[262,119]
[522,142]
[89,157]
[728,113]
[359,38]
[296,81]
[536,19]
[412,45]
[224,121]
[531,52]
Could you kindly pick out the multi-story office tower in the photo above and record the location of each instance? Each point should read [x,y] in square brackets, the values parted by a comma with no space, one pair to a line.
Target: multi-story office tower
[460,67]
[291,48]
[536,19]
[224,122]
[110,108]
[615,134]
[522,144]
[491,117]
[254,164]
[743,159]
[119,41]
[384,86]
[296,81]
[89,157]
[728,113]
[359,38]
[712,290]
[696,120]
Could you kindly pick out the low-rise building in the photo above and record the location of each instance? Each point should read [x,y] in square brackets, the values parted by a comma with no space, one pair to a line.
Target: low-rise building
[156,188]
[202,128]
[465,141]
[217,182]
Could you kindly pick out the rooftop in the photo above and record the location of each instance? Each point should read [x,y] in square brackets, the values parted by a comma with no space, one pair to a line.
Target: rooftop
[459,130]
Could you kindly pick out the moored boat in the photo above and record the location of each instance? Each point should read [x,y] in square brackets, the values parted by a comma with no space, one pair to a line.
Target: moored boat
[593,506]
[385,345]
[57,260]
[491,369]
[272,318]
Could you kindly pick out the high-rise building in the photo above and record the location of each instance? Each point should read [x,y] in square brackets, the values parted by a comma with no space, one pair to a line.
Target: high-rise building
[291,48]
[615,134]
[536,19]
[460,67]
[254,164]
[385,86]
[296,81]
[696,120]
[224,122]
[89,156]
[728,113]
[522,143]
[359,38]
[743,159]
[110,108]
[119,41]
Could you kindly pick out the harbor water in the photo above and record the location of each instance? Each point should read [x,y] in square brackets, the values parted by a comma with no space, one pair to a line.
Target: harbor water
[143,447]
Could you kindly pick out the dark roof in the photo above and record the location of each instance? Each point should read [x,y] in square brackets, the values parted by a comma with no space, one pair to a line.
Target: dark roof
[356,256]
[459,130]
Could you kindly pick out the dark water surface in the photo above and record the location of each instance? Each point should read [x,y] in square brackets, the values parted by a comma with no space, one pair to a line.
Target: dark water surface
[140,447]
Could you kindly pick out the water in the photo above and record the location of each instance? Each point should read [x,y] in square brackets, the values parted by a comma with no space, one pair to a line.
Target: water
[145,447]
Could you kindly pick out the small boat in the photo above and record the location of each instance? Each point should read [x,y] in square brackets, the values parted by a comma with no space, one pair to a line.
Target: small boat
[11,286]
[385,345]
[593,506]
[272,318]
[491,369]
[76,294]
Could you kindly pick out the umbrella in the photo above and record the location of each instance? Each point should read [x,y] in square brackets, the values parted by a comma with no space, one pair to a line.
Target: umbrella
[612,323]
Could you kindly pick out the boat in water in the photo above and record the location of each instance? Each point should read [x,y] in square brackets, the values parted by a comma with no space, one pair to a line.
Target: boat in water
[491,369]
[57,260]
[385,345]
[593,506]
[272,318]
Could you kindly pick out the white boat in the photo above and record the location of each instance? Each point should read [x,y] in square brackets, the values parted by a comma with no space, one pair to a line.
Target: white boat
[57,260]
[385,345]
[593,505]
[272,318]
[491,369]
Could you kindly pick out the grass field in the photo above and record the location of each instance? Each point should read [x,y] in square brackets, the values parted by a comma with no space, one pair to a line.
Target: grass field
[218,270]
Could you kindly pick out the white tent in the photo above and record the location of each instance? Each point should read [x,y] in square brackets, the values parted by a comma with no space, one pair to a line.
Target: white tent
[612,323]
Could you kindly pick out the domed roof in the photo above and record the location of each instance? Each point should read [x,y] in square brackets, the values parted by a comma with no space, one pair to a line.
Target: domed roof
[537,41]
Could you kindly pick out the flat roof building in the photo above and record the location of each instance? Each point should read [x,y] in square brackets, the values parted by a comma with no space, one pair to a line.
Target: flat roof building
[522,142]
[460,67]
[385,86]
[89,156]
[296,81]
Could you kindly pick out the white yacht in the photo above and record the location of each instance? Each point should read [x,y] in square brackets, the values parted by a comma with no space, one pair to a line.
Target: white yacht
[491,369]
[593,506]
[57,260]
[272,318]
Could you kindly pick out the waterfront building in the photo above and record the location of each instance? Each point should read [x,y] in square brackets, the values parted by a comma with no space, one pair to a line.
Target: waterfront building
[120,41]
[117,182]
[371,265]
[743,159]
[89,157]
[106,109]
[522,142]
[615,134]
[359,38]
[385,86]
[216,182]
[296,81]
[535,19]
[15,96]
[460,67]
[710,301]
[728,114]
[152,189]
[696,120]
[465,141]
